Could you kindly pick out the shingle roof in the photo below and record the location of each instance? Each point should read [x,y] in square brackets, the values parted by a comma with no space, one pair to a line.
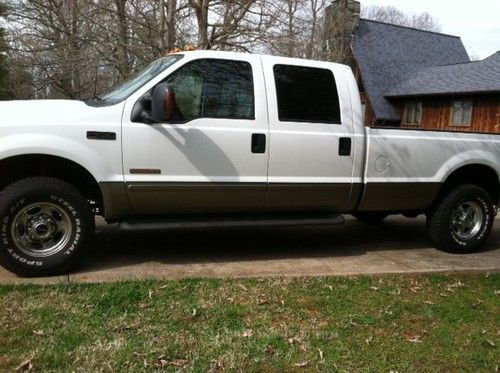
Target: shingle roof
[473,77]
[387,54]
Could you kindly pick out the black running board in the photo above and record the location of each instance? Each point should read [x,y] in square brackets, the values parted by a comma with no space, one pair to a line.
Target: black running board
[233,221]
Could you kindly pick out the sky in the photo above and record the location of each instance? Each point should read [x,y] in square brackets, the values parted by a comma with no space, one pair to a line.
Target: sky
[476,22]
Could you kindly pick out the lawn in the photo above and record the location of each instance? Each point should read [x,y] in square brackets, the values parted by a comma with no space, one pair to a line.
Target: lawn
[426,323]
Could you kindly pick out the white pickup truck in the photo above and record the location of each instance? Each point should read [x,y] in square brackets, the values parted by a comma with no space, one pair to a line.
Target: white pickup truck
[214,138]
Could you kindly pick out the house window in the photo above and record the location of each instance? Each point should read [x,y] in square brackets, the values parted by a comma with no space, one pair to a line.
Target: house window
[461,113]
[413,113]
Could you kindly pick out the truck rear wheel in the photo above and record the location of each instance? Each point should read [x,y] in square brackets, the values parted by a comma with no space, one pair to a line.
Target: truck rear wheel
[43,224]
[462,220]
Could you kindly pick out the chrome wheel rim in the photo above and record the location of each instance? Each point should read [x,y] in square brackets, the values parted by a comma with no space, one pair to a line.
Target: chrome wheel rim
[467,220]
[41,229]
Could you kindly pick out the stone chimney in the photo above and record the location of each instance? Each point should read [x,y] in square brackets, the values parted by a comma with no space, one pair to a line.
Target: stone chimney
[341,22]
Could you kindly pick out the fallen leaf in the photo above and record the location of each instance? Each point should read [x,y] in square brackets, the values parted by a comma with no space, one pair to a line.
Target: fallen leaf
[497,292]
[369,340]
[163,363]
[270,350]
[143,305]
[219,364]
[179,363]
[261,299]
[490,343]
[301,365]
[193,312]
[25,366]
[396,292]
[321,357]
[452,287]
[428,302]
[282,302]
[374,288]
[242,287]
[414,338]
[248,333]
[294,340]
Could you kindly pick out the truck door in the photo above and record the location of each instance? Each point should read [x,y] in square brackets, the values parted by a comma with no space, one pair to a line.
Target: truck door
[214,156]
[311,136]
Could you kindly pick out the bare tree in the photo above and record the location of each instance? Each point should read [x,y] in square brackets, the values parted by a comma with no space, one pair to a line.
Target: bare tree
[4,75]
[70,48]
[297,28]
[227,24]
[390,14]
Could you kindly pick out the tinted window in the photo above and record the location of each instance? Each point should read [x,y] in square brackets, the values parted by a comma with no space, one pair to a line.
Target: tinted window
[306,94]
[214,88]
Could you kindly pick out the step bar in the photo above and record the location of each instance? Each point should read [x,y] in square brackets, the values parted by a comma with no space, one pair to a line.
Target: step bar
[189,222]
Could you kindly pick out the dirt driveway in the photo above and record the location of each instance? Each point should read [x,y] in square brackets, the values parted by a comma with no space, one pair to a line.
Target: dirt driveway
[399,245]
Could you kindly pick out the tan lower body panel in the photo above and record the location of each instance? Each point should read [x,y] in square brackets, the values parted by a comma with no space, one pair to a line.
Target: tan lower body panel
[195,198]
[147,199]
[172,198]
[394,197]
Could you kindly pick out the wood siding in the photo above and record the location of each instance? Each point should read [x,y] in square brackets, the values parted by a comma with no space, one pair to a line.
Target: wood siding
[436,114]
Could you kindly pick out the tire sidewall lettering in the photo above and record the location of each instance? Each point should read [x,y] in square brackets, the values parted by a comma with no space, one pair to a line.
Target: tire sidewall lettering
[9,246]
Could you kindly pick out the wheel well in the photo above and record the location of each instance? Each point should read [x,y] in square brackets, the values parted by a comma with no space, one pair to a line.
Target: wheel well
[16,168]
[479,175]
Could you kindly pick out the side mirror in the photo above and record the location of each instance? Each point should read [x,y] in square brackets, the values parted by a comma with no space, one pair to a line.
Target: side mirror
[163,103]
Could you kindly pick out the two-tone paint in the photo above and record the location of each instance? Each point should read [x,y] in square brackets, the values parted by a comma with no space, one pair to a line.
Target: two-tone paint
[207,166]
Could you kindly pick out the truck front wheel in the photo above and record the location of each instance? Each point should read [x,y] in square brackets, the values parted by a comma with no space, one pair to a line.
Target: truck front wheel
[43,224]
[462,220]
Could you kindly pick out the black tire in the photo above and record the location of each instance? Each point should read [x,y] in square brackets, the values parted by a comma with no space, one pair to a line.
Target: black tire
[462,220]
[371,217]
[61,217]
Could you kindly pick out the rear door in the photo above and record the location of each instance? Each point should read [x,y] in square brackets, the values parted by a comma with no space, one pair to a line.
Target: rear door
[311,136]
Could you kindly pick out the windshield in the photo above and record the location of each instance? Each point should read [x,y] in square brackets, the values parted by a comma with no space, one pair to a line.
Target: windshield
[125,89]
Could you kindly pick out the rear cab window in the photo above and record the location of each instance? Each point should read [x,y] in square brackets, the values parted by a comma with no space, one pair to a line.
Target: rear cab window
[306,94]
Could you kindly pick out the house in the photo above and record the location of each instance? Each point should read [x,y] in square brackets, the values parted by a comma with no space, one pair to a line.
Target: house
[414,78]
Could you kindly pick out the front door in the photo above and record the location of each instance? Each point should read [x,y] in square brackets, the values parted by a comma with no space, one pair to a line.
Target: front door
[213,157]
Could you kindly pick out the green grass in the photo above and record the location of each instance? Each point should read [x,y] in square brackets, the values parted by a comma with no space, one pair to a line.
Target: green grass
[397,323]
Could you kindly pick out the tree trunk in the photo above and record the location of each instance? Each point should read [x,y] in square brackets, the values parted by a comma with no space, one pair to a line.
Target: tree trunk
[201,11]
[123,57]
[171,25]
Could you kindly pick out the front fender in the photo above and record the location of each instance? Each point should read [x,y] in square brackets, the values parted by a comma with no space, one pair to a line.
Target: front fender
[101,158]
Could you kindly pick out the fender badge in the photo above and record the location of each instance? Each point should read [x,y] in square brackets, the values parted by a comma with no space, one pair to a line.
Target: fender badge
[153,171]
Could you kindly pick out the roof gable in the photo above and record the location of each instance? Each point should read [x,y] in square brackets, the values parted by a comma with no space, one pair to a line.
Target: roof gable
[387,54]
